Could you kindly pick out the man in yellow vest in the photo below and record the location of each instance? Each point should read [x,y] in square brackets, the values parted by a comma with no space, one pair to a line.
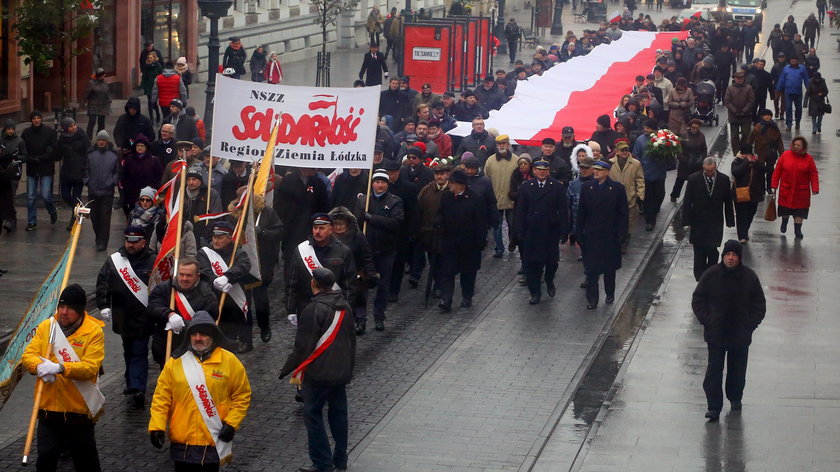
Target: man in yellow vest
[203,394]
[71,401]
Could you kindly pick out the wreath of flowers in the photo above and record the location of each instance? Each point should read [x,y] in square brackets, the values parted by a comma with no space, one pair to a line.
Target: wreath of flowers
[664,145]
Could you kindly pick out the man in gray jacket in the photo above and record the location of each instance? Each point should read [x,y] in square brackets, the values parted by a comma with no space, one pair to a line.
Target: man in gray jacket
[103,174]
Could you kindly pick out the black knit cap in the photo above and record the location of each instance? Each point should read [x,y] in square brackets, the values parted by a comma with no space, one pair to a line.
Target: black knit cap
[732,246]
[323,277]
[74,297]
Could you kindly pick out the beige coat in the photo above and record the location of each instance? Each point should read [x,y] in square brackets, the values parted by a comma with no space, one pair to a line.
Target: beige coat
[631,177]
[499,172]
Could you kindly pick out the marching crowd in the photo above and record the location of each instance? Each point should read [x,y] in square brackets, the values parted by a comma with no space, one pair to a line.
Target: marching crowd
[433,203]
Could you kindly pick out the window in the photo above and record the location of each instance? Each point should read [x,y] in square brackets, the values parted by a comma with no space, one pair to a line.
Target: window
[162,23]
[105,49]
[5,53]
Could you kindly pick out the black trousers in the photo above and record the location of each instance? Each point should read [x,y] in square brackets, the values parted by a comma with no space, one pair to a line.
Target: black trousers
[592,292]
[450,266]
[770,166]
[704,257]
[186,467]
[512,46]
[678,186]
[93,120]
[744,214]
[261,307]
[534,272]
[654,195]
[314,400]
[79,440]
[736,375]
[100,217]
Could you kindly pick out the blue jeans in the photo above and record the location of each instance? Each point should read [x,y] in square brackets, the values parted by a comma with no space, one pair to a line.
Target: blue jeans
[38,186]
[136,355]
[790,101]
[314,400]
[816,122]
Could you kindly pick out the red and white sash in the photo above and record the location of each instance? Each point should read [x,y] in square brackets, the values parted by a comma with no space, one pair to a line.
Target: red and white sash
[310,260]
[206,406]
[136,286]
[183,305]
[87,388]
[219,266]
[323,343]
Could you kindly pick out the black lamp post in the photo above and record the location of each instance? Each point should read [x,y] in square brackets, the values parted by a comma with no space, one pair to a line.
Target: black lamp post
[212,9]
[500,29]
[557,23]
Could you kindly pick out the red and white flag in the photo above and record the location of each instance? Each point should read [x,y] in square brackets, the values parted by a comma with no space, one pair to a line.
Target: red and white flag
[615,17]
[577,92]
[164,267]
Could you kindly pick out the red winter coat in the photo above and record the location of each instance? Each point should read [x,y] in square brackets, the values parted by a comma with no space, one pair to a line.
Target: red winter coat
[795,177]
[169,88]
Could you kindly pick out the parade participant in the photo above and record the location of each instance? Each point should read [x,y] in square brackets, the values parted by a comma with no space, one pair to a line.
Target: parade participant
[232,180]
[322,362]
[429,203]
[480,143]
[70,401]
[202,396]
[498,168]
[146,214]
[321,249]
[655,173]
[346,229]
[140,169]
[269,232]
[165,148]
[627,170]
[602,226]
[414,170]
[691,160]
[541,223]
[122,296]
[729,302]
[373,66]
[561,163]
[462,225]
[395,103]
[586,174]
[706,206]
[440,138]
[210,162]
[383,216]
[191,296]
[236,318]
[73,145]
[407,192]
[796,179]
[482,188]
[130,124]
[348,185]
[195,203]
[747,172]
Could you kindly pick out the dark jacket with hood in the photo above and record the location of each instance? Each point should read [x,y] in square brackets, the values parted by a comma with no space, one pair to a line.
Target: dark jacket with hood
[269,231]
[355,239]
[103,170]
[334,367]
[12,148]
[385,215]
[128,314]
[72,152]
[129,126]
[140,170]
[41,146]
[334,256]
[296,199]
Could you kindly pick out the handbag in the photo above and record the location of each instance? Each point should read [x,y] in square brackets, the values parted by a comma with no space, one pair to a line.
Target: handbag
[826,108]
[742,194]
[770,211]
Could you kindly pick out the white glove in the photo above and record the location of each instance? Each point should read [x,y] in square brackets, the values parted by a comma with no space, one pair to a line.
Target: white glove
[292,319]
[105,314]
[175,323]
[220,282]
[49,378]
[227,288]
[47,367]
[387,75]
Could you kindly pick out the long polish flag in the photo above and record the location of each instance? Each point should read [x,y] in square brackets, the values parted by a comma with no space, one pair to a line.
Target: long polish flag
[575,93]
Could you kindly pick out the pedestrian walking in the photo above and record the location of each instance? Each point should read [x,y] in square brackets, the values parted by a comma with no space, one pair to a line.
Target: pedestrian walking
[146,214]
[183,69]
[151,68]
[542,224]
[322,362]
[767,144]
[740,102]
[374,25]
[729,303]
[97,101]
[168,86]
[73,146]
[747,189]
[627,170]
[512,33]
[140,169]
[498,168]
[790,83]
[70,400]
[679,101]
[706,207]
[462,225]
[428,202]
[795,178]
[185,127]
[817,98]
[373,67]
[122,295]
[602,227]
[235,57]
[130,124]
[691,160]
[201,398]
[258,63]
[12,156]
[42,148]
[346,229]
[655,173]
[103,175]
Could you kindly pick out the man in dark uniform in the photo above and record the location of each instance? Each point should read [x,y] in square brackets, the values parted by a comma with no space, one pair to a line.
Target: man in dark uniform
[706,206]
[215,265]
[373,65]
[542,224]
[602,221]
[462,225]
[122,295]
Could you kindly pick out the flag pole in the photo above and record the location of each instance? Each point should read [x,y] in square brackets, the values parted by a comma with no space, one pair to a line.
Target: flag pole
[367,197]
[80,211]
[237,235]
[209,183]
[178,231]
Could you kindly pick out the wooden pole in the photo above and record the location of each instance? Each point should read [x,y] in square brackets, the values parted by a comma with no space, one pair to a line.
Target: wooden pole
[39,384]
[178,231]
[237,236]
[367,198]
[210,184]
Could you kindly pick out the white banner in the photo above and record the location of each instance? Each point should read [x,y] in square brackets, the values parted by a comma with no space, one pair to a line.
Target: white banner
[320,127]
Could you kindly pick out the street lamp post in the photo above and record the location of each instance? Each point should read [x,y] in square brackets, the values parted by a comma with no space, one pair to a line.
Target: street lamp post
[557,23]
[212,9]
[500,29]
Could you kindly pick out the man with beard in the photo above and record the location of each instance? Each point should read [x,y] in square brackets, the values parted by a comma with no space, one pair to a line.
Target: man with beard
[767,143]
[122,295]
[498,168]
[729,302]
[706,206]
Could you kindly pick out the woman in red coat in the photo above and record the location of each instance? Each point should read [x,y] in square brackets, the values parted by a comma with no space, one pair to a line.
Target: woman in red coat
[796,179]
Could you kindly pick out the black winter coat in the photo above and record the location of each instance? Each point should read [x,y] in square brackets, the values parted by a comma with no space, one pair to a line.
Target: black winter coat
[334,256]
[128,314]
[419,175]
[398,105]
[201,297]
[72,152]
[706,214]
[129,126]
[602,225]
[269,230]
[482,145]
[231,182]
[730,304]
[334,366]
[694,151]
[463,229]
[407,192]
[542,219]
[384,223]
[296,202]
[347,189]
[238,273]
[41,148]
[749,173]
[481,186]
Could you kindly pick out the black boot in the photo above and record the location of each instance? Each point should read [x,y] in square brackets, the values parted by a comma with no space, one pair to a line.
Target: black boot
[784,223]
[797,230]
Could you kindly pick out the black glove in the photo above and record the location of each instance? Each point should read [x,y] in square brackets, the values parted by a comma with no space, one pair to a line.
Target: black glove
[227,432]
[564,238]
[572,239]
[482,245]
[158,438]
[373,280]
